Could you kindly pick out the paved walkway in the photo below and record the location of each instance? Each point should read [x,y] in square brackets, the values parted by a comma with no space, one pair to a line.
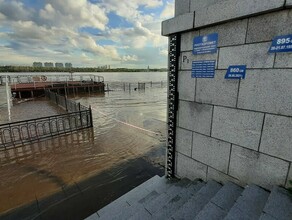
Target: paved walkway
[84,198]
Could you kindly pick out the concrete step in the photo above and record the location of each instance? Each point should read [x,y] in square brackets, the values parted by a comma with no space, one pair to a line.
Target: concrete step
[221,203]
[151,188]
[196,203]
[177,201]
[156,205]
[168,202]
[136,193]
[150,199]
[159,198]
[121,203]
[249,205]
[279,205]
[128,212]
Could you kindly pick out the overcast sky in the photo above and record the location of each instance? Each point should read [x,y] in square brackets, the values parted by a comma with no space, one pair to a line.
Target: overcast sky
[120,33]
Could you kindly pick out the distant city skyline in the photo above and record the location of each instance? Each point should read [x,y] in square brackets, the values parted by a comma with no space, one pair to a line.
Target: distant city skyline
[122,33]
[51,64]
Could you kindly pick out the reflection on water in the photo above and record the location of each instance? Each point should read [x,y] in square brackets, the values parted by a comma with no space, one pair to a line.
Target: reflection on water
[137,108]
[29,110]
[126,126]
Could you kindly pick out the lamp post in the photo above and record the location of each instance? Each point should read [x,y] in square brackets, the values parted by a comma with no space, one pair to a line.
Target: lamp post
[8,99]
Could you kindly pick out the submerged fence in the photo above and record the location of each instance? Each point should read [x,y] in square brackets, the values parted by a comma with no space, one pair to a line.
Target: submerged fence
[128,86]
[30,131]
[67,104]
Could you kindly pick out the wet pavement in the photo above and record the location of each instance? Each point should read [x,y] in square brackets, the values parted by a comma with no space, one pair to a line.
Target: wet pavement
[29,109]
[80,200]
[81,172]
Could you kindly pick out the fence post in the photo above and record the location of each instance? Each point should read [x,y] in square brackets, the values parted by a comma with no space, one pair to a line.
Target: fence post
[56,99]
[90,115]
[66,104]
[81,123]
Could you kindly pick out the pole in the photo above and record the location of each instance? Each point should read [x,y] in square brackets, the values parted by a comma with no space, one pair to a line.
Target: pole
[80,114]
[91,119]
[8,99]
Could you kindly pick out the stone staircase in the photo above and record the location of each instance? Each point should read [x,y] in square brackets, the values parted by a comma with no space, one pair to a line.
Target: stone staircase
[159,198]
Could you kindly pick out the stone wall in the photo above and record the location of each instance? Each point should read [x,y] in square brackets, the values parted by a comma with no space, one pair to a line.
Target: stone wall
[238,130]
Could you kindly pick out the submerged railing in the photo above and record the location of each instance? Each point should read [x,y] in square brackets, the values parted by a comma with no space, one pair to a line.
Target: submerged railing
[67,104]
[29,131]
[128,86]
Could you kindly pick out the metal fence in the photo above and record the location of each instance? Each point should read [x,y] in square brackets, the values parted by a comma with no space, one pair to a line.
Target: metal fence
[128,86]
[29,131]
[67,104]
[48,77]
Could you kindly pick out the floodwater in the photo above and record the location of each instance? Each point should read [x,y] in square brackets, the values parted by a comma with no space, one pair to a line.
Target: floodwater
[29,109]
[128,124]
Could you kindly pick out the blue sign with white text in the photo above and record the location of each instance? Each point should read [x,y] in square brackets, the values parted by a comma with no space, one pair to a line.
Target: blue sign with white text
[203,69]
[205,44]
[236,72]
[281,44]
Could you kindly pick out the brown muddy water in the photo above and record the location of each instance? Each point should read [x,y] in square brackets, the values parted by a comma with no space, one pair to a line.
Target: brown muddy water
[127,125]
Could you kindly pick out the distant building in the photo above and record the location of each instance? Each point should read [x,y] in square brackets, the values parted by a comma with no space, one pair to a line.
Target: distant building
[68,65]
[59,65]
[37,64]
[48,64]
[102,67]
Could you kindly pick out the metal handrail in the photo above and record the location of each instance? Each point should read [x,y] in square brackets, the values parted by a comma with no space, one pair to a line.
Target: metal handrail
[50,78]
[28,131]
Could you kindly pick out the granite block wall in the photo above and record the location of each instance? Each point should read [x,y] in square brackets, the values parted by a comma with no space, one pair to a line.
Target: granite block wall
[235,130]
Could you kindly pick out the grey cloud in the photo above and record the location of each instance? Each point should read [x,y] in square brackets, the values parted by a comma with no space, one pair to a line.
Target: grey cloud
[52,32]
[16,11]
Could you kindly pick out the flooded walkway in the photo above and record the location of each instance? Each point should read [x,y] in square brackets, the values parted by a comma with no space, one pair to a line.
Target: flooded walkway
[29,109]
[128,129]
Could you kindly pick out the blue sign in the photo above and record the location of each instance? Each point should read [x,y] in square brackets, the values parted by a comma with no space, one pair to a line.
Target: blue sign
[281,44]
[236,72]
[203,69]
[205,44]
